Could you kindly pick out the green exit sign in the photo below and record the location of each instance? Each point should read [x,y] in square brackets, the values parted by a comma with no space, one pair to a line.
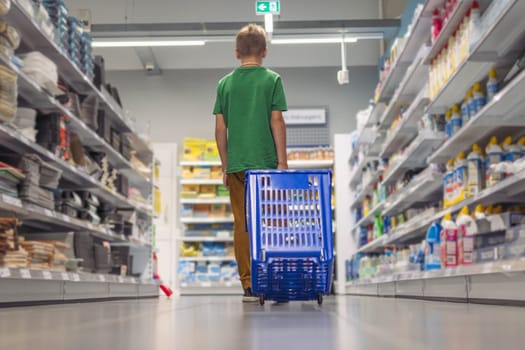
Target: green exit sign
[267,7]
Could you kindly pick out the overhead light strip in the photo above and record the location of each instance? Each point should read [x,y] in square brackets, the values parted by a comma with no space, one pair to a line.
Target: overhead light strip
[285,41]
[149,43]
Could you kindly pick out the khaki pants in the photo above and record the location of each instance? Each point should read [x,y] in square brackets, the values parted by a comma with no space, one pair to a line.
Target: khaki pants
[241,240]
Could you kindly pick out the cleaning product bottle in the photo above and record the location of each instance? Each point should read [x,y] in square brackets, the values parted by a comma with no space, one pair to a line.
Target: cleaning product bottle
[432,247]
[492,84]
[448,126]
[448,239]
[470,103]
[455,119]
[466,227]
[494,156]
[461,174]
[437,24]
[448,184]
[479,98]
[521,143]
[464,109]
[479,212]
[474,24]
[476,175]
[513,151]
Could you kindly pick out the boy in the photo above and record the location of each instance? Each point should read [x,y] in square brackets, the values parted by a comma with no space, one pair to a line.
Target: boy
[250,132]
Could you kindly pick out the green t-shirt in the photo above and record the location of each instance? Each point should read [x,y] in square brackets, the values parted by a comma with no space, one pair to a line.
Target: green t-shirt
[246,97]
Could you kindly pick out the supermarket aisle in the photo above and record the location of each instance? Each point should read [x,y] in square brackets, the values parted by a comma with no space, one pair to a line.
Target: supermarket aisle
[224,323]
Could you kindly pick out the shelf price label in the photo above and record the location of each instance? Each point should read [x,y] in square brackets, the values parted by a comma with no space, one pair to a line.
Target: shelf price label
[101,278]
[47,275]
[25,274]
[5,272]
[65,276]
[120,279]
[76,277]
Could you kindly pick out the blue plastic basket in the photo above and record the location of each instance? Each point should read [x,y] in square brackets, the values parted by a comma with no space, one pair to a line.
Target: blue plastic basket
[289,219]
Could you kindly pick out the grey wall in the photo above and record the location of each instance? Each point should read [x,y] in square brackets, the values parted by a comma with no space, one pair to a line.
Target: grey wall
[179,102]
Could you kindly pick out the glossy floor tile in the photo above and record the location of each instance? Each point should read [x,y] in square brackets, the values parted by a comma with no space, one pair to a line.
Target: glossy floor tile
[225,323]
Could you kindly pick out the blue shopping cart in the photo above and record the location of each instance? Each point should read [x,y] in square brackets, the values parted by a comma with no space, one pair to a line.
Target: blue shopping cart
[289,219]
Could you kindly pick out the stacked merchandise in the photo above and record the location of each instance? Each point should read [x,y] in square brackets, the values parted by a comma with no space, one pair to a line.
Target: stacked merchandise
[9,40]
[200,149]
[193,273]
[126,148]
[58,262]
[87,65]
[53,134]
[11,253]
[42,71]
[10,178]
[318,153]
[208,249]
[58,14]
[40,182]
[83,248]
[70,204]
[25,122]
[8,94]
[40,253]
[90,206]
[74,40]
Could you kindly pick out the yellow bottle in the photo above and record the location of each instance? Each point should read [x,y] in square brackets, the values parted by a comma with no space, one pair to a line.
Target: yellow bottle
[448,184]
[461,186]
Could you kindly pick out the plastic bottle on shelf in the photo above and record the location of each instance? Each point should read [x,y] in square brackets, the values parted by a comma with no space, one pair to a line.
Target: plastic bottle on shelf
[461,175]
[437,24]
[513,152]
[492,84]
[474,23]
[464,47]
[432,247]
[479,97]
[470,103]
[495,155]
[448,238]
[455,120]
[448,184]
[479,212]
[378,227]
[466,227]
[464,109]
[448,125]
[476,175]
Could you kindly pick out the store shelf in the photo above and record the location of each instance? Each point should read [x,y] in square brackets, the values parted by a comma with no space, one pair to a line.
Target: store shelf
[207,258]
[205,239]
[206,220]
[368,219]
[410,86]
[34,39]
[449,28]
[201,182]
[499,45]
[505,110]
[200,163]
[30,286]
[205,200]
[377,245]
[391,82]
[211,288]
[310,164]
[421,190]
[416,155]
[365,190]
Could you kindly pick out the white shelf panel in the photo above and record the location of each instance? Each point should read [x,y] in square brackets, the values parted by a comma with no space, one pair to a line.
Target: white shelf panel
[419,190]
[506,109]
[206,220]
[205,239]
[208,258]
[310,164]
[200,163]
[416,156]
[367,187]
[201,182]
[33,38]
[51,275]
[390,83]
[205,201]
[449,28]
[375,245]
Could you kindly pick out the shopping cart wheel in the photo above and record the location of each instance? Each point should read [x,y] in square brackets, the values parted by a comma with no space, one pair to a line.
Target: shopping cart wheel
[261,299]
[320,299]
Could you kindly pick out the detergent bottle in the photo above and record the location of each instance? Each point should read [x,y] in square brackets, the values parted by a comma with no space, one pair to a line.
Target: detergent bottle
[513,151]
[448,239]
[432,247]
[461,173]
[492,84]
[464,109]
[479,212]
[448,126]
[466,228]
[455,119]
[448,184]
[494,156]
[476,175]
[470,103]
[479,98]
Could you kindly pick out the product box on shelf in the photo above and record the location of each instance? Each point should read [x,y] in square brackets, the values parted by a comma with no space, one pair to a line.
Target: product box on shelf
[189,191]
[193,149]
[207,191]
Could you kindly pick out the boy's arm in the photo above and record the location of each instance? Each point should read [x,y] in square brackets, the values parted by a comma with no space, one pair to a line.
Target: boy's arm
[221,138]
[279,138]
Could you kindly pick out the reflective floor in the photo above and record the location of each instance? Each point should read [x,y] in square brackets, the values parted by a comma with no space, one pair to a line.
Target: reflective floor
[225,323]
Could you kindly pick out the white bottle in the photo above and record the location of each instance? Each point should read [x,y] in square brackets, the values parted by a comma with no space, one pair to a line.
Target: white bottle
[474,24]
[466,229]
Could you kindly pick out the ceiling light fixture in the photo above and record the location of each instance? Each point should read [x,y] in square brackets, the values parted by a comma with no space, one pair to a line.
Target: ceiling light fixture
[285,41]
[149,43]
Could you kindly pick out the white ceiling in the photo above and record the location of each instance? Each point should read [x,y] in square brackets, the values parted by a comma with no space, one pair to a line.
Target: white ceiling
[220,55]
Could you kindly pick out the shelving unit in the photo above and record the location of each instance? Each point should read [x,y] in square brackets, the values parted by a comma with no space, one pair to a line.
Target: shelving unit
[497,46]
[26,285]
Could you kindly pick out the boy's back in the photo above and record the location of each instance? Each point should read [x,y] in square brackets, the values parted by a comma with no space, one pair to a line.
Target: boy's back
[246,97]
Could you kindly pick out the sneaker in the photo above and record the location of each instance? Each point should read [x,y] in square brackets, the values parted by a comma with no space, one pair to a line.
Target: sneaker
[249,297]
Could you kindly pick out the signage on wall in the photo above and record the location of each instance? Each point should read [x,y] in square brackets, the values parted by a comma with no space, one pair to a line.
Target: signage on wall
[267,7]
[305,116]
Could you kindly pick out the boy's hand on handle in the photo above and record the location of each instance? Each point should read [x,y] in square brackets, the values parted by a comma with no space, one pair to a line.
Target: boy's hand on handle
[282,166]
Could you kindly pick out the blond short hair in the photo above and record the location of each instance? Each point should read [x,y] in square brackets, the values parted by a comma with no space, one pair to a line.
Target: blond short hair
[251,41]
